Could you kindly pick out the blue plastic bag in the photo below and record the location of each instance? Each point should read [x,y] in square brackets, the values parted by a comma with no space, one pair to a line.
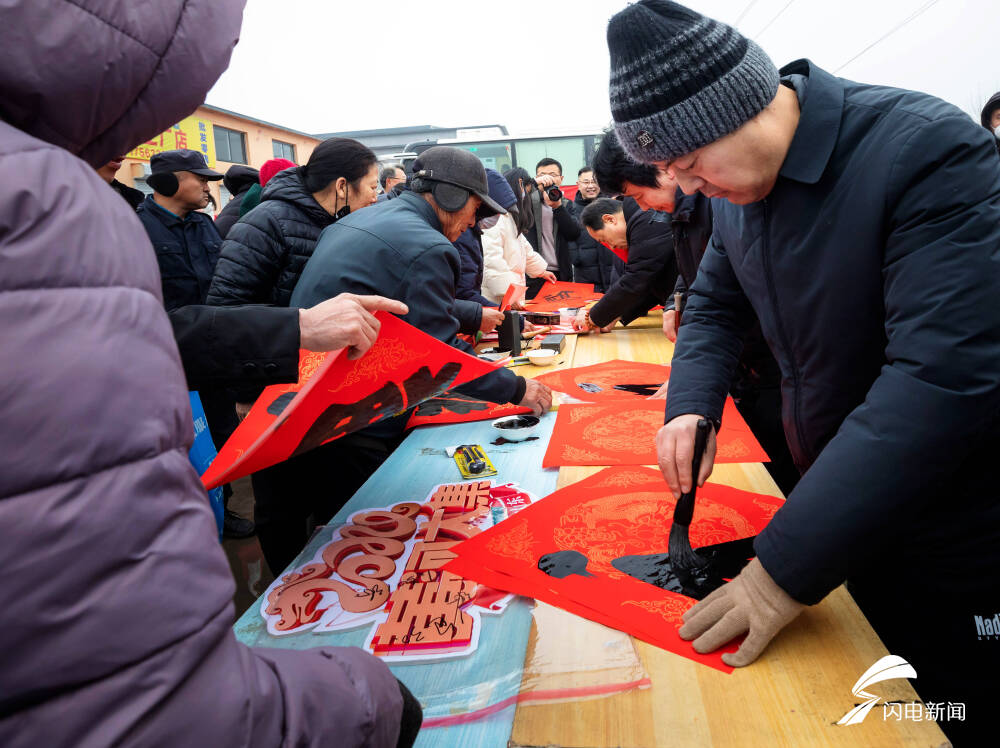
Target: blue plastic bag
[201,455]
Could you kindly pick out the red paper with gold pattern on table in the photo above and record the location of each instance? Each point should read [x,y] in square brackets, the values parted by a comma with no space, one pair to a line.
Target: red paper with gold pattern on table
[336,396]
[616,513]
[458,408]
[596,383]
[552,297]
[623,432]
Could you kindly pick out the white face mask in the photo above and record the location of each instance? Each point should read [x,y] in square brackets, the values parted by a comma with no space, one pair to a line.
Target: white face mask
[996,132]
[488,223]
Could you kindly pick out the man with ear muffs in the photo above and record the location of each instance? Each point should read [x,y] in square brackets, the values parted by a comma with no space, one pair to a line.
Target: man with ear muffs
[186,241]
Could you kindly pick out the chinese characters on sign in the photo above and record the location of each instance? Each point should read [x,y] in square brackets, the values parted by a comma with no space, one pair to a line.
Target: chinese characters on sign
[190,132]
[384,569]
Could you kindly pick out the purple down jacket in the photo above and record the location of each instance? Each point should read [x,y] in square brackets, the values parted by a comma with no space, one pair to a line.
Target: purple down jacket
[115,611]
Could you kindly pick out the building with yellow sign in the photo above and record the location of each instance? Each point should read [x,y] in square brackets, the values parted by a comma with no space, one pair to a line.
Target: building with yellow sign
[226,138]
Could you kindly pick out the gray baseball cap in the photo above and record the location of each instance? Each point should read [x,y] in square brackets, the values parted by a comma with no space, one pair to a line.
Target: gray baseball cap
[457,172]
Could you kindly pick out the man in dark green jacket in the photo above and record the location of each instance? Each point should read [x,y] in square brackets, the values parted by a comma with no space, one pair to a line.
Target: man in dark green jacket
[403,250]
[862,225]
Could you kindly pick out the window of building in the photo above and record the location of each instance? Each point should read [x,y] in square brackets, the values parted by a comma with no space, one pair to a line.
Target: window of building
[284,150]
[568,151]
[230,145]
[493,155]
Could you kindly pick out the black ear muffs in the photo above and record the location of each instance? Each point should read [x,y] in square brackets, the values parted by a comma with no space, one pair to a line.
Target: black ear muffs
[449,197]
[165,183]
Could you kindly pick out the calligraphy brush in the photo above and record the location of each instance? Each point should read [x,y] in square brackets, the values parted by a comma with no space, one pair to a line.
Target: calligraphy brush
[682,557]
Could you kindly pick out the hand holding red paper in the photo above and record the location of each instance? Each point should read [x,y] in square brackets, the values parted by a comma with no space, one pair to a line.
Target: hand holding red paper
[336,396]
[345,321]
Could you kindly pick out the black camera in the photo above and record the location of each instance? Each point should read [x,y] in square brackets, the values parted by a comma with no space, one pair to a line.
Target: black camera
[555,194]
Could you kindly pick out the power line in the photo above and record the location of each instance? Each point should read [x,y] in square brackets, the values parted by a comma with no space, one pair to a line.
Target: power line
[776,17]
[744,13]
[926,6]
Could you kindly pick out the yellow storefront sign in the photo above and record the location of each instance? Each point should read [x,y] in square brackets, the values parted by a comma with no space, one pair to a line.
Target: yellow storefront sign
[190,132]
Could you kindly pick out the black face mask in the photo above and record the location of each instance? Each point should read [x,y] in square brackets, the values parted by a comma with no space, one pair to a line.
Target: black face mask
[343,211]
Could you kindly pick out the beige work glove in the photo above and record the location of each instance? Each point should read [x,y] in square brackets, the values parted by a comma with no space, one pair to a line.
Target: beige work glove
[751,603]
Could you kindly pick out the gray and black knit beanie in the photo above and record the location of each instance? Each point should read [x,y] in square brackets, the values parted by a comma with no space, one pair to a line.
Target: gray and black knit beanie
[680,80]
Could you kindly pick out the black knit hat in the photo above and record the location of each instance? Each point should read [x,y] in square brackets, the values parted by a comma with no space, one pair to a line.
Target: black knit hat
[680,80]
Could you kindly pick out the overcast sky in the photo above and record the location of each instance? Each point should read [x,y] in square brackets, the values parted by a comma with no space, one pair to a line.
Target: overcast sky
[542,65]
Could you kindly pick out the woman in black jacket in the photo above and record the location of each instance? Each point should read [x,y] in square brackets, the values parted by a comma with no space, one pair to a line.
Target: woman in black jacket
[264,253]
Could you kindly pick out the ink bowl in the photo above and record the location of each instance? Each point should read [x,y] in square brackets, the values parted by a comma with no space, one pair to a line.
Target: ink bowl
[542,357]
[517,428]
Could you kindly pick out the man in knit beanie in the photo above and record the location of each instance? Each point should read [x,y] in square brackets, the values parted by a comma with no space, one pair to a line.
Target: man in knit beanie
[862,225]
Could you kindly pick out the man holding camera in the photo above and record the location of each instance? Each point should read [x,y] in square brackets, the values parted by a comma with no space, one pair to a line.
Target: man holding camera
[555,224]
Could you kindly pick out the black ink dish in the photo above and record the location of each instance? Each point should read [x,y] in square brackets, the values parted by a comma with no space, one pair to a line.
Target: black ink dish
[517,428]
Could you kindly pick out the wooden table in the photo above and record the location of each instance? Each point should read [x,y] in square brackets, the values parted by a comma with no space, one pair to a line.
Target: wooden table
[793,695]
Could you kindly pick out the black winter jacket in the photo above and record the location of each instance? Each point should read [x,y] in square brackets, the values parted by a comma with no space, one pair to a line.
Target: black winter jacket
[650,272]
[265,251]
[565,228]
[873,266]
[469,300]
[592,261]
[187,250]
[238,180]
[396,249]
[239,346]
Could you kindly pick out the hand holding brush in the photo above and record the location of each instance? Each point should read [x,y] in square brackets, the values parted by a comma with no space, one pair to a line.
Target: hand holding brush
[682,557]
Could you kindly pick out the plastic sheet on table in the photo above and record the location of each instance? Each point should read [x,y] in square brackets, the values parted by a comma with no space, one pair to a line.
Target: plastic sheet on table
[572,659]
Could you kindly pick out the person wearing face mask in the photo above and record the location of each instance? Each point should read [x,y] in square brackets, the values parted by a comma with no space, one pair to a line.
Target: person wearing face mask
[592,261]
[475,312]
[265,251]
[508,256]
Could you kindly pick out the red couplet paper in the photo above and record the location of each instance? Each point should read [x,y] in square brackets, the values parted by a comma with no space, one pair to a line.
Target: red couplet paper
[457,408]
[614,513]
[552,297]
[623,432]
[596,383]
[514,295]
[336,396]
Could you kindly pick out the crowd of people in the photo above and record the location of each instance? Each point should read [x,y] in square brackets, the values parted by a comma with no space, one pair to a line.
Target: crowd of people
[827,252]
